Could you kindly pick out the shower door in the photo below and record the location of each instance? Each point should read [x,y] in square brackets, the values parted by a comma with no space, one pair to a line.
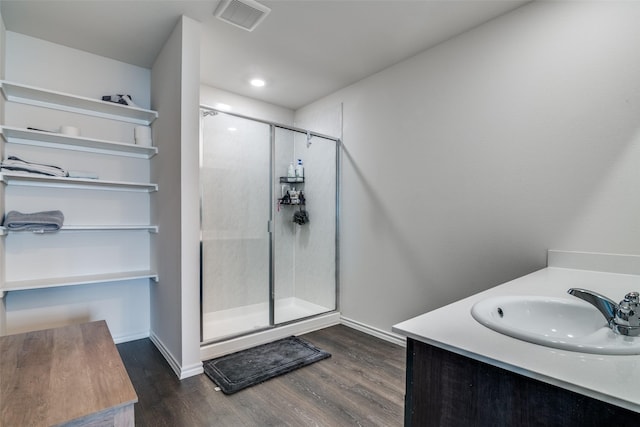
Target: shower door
[261,265]
[304,253]
[235,175]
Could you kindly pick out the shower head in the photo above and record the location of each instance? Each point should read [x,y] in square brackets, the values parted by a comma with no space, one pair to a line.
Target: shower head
[206,113]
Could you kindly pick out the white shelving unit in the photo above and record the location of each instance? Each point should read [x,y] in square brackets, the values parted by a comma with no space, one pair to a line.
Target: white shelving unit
[57,140]
[150,228]
[19,93]
[39,97]
[22,285]
[55,181]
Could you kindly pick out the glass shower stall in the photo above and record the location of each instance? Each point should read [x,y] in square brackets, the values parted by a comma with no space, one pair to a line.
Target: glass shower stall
[268,237]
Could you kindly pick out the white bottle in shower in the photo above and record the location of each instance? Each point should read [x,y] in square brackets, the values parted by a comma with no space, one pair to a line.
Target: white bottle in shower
[299,171]
[291,172]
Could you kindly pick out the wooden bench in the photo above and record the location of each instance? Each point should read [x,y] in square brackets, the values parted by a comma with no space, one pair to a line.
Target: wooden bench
[71,376]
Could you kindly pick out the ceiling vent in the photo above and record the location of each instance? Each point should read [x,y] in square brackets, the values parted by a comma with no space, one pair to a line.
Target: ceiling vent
[246,14]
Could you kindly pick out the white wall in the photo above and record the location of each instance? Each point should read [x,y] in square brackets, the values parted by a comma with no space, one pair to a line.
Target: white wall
[3,312]
[324,117]
[175,300]
[3,37]
[238,104]
[190,251]
[56,67]
[465,163]
[124,305]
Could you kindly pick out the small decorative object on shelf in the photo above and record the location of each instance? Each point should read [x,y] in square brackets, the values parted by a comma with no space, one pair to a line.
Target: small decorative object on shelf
[142,135]
[119,99]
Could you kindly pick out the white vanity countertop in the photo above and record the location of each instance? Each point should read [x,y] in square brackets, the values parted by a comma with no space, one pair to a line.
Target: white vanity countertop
[613,379]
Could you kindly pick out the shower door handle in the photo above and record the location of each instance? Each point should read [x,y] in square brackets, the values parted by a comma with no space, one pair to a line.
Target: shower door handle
[269,226]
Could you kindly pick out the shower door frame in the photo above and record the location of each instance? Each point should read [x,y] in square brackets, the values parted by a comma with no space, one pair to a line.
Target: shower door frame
[270,227]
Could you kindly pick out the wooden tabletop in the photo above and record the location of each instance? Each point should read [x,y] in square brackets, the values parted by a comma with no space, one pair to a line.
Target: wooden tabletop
[58,375]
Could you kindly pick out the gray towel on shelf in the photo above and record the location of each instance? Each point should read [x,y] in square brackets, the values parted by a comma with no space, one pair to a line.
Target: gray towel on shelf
[37,222]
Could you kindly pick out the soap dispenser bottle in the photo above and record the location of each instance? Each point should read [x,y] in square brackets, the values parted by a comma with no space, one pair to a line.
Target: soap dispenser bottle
[291,172]
[299,171]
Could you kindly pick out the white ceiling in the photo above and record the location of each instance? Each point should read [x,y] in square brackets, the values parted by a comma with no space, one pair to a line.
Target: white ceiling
[304,49]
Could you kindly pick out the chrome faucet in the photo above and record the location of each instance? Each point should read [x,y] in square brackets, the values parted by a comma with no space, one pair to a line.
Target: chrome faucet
[623,318]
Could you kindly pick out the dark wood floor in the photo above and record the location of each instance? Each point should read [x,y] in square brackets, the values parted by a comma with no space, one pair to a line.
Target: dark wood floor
[362,384]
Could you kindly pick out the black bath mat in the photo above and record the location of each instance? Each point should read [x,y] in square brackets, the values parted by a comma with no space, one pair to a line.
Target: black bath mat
[236,371]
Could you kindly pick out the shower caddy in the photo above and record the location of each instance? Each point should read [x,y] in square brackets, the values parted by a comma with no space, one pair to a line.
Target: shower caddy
[284,200]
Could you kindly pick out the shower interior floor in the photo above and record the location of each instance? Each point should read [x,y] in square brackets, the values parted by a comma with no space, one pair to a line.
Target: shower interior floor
[239,320]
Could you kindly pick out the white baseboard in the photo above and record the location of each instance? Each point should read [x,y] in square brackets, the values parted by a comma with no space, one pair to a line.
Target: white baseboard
[130,337]
[190,371]
[211,351]
[376,332]
[181,371]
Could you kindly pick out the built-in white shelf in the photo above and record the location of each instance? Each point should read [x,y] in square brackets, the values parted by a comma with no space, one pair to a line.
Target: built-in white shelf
[62,182]
[67,142]
[31,95]
[150,228]
[21,285]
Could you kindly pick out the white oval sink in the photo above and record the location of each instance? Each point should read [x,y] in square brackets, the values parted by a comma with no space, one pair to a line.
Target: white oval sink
[553,322]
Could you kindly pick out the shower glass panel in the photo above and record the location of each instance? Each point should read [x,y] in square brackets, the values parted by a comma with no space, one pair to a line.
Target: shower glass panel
[235,175]
[304,253]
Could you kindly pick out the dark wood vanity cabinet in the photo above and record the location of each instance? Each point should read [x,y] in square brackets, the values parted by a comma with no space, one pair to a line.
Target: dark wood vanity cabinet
[445,389]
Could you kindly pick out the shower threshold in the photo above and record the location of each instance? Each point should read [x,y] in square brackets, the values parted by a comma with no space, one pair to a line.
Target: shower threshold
[239,342]
[220,324]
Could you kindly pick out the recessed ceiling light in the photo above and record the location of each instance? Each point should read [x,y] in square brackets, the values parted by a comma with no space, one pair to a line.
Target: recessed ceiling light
[257,82]
[232,129]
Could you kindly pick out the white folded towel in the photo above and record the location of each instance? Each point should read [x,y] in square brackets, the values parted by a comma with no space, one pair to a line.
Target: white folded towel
[15,164]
